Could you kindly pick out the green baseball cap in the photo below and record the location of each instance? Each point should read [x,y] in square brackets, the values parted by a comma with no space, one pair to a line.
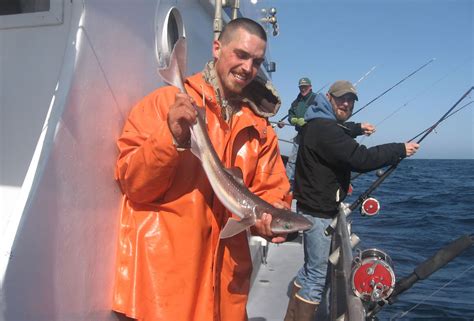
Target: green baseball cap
[304,82]
[342,87]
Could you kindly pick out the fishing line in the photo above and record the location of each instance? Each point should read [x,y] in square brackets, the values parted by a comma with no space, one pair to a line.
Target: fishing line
[427,132]
[404,313]
[398,83]
[319,90]
[451,114]
[420,93]
[454,112]
[364,76]
[384,175]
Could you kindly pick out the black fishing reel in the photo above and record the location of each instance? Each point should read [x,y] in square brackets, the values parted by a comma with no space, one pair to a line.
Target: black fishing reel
[373,278]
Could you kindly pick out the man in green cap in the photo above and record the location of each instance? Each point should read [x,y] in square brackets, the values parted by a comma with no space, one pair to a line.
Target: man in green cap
[296,118]
[327,154]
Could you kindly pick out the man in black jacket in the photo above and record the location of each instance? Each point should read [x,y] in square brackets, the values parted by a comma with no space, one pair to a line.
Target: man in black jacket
[327,154]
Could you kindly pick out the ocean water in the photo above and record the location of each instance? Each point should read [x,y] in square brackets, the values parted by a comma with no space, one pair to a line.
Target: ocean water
[425,205]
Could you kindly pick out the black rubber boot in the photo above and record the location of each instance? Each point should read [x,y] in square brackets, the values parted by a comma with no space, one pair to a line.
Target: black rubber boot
[304,310]
[290,311]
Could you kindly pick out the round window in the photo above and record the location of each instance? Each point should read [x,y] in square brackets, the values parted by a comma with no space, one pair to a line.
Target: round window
[169,28]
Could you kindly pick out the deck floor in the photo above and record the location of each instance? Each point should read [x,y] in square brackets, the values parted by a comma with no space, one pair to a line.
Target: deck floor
[268,297]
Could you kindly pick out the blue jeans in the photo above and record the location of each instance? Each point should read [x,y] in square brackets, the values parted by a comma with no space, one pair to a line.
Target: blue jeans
[312,276]
[290,165]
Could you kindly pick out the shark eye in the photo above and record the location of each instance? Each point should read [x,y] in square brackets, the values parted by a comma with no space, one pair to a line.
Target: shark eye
[287,225]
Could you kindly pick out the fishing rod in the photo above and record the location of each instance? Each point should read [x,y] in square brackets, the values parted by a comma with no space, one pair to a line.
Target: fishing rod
[426,268]
[451,114]
[454,112]
[355,84]
[398,83]
[287,115]
[390,170]
[319,90]
[423,91]
[364,76]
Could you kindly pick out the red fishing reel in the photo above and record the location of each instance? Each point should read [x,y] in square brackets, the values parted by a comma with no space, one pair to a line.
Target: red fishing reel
[373,278]
[370,206]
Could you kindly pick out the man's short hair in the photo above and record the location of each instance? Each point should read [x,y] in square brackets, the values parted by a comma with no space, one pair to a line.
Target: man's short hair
[247,24]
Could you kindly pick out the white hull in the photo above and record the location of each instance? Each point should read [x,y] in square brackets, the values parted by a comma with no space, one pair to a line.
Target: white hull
[66,90]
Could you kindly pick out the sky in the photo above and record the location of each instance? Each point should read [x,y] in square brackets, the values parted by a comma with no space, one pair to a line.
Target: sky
[328,40]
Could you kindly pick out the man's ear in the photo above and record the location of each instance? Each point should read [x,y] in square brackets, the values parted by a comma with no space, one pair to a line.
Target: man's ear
[216,48]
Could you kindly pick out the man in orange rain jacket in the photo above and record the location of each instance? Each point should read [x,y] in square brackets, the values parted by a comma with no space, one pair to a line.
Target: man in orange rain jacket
[171,264]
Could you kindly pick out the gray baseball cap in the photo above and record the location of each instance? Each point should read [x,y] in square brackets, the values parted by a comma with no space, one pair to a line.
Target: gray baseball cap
[342,87]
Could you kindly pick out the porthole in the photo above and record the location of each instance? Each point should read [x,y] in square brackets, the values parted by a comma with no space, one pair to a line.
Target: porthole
[169,28]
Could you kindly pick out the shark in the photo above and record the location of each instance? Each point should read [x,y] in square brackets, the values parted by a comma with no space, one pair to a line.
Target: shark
[227,184]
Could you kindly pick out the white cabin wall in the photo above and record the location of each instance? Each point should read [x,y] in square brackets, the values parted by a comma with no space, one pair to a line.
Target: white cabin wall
[58,249]
[62,235]
[30,63]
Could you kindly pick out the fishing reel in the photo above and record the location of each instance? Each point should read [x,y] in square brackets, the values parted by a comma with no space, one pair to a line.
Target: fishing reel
[373,278]
[370,207]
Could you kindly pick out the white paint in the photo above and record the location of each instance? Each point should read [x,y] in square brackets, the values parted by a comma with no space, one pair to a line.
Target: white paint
[66,90]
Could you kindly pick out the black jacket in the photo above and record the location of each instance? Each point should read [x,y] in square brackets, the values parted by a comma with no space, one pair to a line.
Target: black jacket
[327,154]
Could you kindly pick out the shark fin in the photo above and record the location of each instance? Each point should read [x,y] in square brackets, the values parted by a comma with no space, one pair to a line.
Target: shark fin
[234,226]
[236,173]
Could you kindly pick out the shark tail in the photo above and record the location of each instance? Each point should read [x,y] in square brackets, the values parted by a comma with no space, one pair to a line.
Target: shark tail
[234,227]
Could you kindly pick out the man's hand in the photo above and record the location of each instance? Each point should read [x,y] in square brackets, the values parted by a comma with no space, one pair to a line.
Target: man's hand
[180,116]
[367,129]
[263,228]
[411,148]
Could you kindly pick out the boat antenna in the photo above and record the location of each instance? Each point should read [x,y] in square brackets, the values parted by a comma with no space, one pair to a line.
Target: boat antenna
[398,83]
[392,168]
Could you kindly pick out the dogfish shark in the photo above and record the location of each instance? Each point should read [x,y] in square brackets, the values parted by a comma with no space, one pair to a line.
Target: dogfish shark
[228,187]
[233,194]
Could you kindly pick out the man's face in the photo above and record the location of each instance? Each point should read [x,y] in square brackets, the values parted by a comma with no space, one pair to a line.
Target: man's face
[305,89]
[238,61]
[342,106]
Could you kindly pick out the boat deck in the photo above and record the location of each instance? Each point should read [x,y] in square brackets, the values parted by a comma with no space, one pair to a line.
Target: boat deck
[269,293]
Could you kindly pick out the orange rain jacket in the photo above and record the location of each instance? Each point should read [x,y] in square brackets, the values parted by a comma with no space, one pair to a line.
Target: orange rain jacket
[171,264]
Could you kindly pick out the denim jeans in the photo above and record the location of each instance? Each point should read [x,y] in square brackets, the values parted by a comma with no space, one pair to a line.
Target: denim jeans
[290,165]
[312,276]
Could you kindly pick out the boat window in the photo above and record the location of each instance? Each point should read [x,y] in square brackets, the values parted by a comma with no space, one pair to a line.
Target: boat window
[30,13]
[173,32]
[8,7]
[169,29]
